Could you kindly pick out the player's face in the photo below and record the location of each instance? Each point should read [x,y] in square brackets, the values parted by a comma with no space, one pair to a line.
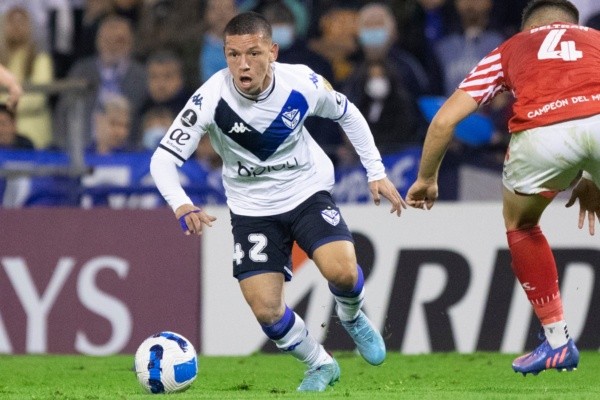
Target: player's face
[249,59]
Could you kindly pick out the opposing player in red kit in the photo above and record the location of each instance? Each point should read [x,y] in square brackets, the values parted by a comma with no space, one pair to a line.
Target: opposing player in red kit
[551,67]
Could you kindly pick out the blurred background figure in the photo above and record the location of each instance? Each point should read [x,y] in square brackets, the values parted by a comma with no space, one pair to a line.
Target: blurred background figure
[506,16]
[155,123]
[113,70]
[113,126]
[420,24]
[587,10]
[166,82]
[293,48]
[299,9]
[336,39]
[460,51]
[130,9]
[63,26]
[390,109]
[20,53]
[378,39]
[87,22]
[216,15]
[175,25]
[10,138]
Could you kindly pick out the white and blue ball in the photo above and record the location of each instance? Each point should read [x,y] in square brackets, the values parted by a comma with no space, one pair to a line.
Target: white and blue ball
[165,363]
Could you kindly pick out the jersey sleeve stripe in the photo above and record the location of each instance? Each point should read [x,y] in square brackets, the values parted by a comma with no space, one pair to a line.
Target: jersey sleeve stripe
[172,152]
[482,82]
[344,113]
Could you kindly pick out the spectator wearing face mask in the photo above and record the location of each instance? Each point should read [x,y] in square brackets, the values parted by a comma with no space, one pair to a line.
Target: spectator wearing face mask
[378,40]
[293,49]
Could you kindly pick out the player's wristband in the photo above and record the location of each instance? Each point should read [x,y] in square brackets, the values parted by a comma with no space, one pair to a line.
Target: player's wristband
[182,222]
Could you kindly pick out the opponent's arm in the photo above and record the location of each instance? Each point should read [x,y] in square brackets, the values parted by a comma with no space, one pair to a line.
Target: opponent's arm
[424,192]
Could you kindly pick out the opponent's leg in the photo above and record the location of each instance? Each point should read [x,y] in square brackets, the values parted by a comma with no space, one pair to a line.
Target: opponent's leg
[264,294]
[534,266]
[337,262]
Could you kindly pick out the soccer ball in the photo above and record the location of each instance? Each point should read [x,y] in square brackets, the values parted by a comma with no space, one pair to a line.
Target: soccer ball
[165,363]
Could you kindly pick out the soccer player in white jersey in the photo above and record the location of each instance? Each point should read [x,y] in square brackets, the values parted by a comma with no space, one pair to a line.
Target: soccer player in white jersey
[278,182]
[551,67]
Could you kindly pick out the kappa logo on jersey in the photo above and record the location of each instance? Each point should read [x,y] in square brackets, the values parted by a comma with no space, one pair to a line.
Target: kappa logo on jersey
[291,118]
[189,118]
[338,98]
[331,216]
[179,136]
[239,127]
[197,100]
[314,79]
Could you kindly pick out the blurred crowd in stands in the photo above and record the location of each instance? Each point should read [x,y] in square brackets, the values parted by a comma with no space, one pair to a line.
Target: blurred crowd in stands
[142,59]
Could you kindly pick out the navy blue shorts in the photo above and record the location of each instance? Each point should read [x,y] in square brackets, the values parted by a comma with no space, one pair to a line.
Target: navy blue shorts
[264,244]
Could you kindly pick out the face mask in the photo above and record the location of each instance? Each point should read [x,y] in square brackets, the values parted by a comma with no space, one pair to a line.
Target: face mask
[152,137]
[283,35]
[377,88]
[373,37]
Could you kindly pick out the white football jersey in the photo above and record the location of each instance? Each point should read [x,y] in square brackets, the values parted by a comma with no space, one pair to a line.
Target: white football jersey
[270,162]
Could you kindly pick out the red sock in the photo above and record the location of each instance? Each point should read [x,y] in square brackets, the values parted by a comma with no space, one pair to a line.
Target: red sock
[534,266]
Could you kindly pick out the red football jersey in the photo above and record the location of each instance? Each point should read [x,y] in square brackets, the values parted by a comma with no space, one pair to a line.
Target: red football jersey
[553,72]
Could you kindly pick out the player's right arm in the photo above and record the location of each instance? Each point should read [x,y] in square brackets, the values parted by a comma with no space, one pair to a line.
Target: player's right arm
[176,147]
[424,192]
[164,172]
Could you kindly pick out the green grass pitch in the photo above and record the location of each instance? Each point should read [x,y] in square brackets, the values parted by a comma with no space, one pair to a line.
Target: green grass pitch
[265,376]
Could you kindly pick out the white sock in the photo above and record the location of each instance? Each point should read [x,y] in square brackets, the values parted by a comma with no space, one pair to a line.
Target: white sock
[348,308]
[303,346]
[556,333]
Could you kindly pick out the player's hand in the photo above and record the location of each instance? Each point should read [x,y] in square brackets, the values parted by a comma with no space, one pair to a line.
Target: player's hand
[386,188]
[192,219]
[422,194]
[588,195]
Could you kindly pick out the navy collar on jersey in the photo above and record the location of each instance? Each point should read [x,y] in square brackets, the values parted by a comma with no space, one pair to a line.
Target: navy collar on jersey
[261,96]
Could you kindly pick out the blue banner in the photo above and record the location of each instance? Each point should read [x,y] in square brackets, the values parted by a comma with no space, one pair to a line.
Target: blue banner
[123,180]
